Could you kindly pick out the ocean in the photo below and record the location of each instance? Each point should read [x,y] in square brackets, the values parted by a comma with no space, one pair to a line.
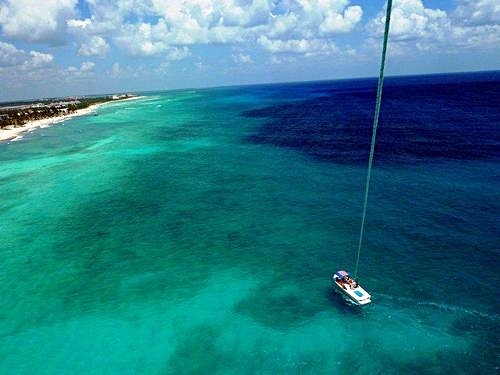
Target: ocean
[197,232]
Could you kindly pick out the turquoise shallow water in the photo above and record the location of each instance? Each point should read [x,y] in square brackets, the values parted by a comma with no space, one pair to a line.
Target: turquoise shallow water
[154,238]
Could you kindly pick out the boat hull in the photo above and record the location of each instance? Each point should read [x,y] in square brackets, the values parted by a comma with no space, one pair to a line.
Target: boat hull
[356,294]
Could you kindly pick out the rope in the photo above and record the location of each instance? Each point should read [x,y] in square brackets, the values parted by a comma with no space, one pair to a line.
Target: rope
[374,131]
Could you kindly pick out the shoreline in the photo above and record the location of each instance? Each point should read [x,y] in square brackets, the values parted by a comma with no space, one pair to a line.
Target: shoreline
[15,132]
[12,133]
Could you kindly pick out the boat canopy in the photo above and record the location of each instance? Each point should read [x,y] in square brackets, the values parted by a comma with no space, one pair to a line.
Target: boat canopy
[342,274]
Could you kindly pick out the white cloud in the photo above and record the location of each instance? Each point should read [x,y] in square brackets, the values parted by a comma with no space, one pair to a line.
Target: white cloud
[35,20]
[152,27]
[341,23]
[96,46]
[178,53]
[411,20]
[87,66]
[282,24]
[79,24]
[10,56]
[277,60]
[147,40]
[279,46]
[115,69]
[313,18]
[477,24]
[143,39]
[206,14]
[413,26]
[485,36]
[39,59]
[242,58]
[308,47]
[481,12]
[73,73]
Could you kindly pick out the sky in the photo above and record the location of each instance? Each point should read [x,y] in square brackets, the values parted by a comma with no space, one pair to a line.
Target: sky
[52,48]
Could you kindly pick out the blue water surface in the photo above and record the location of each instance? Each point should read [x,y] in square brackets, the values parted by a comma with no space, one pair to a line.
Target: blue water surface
[196,232]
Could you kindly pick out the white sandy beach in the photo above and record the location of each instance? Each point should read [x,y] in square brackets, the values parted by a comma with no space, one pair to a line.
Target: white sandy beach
[12,133]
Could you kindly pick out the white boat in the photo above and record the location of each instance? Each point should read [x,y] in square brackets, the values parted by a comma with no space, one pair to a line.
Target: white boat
[344,283]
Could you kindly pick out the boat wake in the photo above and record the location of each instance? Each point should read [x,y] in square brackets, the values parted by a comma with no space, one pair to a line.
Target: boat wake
[459,309]
[440,306]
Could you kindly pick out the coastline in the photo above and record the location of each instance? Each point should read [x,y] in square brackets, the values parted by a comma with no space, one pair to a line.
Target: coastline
[16,132]
[13,133]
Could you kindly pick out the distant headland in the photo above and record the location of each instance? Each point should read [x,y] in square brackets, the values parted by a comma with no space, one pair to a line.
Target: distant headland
[18,117]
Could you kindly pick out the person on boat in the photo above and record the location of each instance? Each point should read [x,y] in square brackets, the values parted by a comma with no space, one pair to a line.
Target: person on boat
[350,282]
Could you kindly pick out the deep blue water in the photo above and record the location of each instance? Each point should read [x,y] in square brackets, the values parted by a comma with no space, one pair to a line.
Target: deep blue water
[196,232]
[436,117]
